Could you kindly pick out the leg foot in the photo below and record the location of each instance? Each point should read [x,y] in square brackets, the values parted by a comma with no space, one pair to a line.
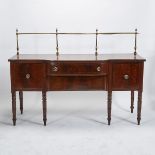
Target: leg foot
[44,122]
[14,122]
[109,121]
[109,106]
[21,101]
[138,121]
[132,101]
[44,107]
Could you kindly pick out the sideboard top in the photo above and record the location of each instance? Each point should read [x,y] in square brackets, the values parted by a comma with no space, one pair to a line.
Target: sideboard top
[76,57]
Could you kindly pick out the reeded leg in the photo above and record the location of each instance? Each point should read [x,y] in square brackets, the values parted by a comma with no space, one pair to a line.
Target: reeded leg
[21,101]
[14,107]
[109,106]
[139,107]
[44,106]
[132,101]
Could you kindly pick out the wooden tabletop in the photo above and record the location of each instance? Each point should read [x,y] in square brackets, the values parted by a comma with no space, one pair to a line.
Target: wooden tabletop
[76,57]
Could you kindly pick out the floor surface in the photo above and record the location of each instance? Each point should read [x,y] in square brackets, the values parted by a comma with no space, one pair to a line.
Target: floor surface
[77,125]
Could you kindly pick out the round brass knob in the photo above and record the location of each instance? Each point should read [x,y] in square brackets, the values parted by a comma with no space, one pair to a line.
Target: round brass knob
[55,69]
[27,76]
[98,68]
[126,77]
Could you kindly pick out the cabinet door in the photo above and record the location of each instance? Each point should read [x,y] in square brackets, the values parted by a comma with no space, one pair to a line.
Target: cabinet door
[27,76]
[125,76]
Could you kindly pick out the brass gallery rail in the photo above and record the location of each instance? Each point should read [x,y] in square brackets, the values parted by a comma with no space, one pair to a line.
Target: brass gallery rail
[72,33]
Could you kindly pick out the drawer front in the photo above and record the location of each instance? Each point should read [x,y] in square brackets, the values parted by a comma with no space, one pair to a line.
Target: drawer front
[77,76]
[28,76]
[76,83]
[125,76]
[76,68]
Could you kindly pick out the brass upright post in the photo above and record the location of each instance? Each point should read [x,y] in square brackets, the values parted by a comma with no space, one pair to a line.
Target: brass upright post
[57,48]
[96,43]
[135,48]
[17,42]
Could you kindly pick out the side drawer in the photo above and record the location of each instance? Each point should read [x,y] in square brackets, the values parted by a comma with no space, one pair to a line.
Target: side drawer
[28,76]
[125,76]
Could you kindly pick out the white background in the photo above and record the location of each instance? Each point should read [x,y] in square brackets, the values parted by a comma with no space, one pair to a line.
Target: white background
[77,120]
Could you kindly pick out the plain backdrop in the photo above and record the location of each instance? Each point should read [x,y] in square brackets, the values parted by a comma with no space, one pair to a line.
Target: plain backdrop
[77,120]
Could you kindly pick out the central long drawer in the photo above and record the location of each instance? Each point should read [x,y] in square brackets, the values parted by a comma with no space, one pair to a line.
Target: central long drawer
[76,75]
[76,68]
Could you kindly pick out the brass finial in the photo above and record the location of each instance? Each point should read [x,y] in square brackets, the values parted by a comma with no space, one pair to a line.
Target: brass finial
[17,41]
[96,43]
[57,48]
[135,48]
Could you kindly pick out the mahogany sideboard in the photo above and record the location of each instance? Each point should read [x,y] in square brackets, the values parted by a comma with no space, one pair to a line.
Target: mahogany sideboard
[76,72]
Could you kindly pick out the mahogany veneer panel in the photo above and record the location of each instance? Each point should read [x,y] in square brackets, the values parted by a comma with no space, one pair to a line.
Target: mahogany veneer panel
[35,73]
[122,69]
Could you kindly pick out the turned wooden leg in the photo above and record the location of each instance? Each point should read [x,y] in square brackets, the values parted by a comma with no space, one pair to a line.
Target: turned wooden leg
[132,101]
[109,106]
[21,101]
[139,107]
[44,106]
[14,107]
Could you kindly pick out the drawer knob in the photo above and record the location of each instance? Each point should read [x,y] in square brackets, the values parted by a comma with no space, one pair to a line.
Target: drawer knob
[27,76]
[55,69]
[126,77]
[98,68]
